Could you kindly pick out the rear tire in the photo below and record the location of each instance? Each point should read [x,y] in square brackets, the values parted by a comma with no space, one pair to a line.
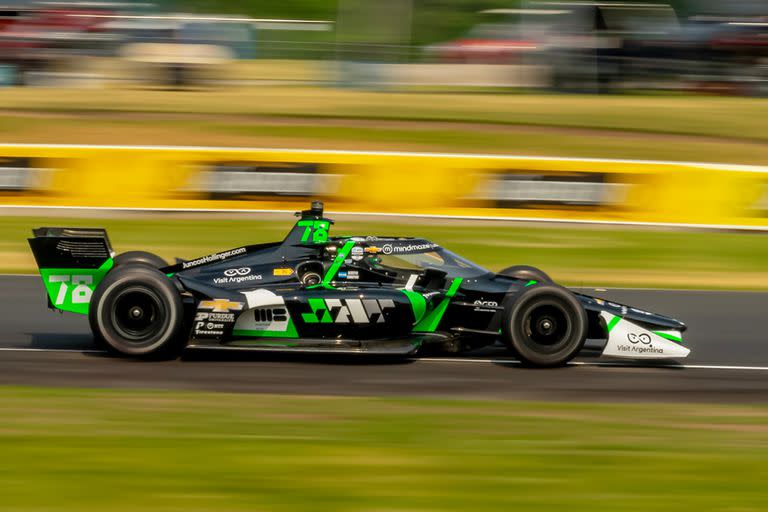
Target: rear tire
[143,257]
[545,326]
[526,273]
[137,311]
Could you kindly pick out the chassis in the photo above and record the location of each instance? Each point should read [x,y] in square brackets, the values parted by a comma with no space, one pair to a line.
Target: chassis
[316,293]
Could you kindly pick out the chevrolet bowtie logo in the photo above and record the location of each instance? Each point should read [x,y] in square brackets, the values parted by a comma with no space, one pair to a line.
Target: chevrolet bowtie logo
[221,305]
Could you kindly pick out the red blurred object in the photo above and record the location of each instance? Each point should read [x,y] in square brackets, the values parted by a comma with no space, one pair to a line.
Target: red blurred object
[33,34]
[33,38]
[483,51]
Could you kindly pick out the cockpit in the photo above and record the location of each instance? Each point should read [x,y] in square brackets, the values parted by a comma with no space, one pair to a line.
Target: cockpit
[368,259]
[394,260]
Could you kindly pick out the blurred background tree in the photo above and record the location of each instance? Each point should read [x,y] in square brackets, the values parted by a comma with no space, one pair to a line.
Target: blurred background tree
[433,20]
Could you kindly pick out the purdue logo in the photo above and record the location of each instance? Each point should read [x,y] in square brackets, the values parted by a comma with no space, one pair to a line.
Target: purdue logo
[347,311]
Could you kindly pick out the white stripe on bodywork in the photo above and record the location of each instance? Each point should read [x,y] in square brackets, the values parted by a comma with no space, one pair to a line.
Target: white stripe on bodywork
[342,317]
[261,298]
[358,311]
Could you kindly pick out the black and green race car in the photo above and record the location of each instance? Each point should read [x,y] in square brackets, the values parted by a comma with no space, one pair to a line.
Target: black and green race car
[313,292]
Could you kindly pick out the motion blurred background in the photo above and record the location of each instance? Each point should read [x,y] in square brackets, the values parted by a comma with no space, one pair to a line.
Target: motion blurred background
[577,46]
[554,134]
[581,103]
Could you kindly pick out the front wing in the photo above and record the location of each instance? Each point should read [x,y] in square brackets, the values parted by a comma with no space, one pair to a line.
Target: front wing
[627,339]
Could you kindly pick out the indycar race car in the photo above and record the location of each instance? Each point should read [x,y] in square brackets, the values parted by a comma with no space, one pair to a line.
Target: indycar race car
[315,293]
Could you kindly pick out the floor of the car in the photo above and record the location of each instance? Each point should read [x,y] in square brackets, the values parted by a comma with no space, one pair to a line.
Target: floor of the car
[404,346]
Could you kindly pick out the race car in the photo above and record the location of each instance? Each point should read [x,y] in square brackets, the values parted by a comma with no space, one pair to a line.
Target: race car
[313,292]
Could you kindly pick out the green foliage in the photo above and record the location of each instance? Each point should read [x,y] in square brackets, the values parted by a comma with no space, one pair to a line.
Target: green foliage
[284,9]
[432,20]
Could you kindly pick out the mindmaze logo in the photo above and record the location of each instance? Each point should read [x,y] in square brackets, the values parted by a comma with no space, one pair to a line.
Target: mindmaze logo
[213,257]
[403,249]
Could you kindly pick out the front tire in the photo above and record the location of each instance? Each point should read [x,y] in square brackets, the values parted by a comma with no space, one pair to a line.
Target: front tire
[136,311]
[545,326]
[526,273]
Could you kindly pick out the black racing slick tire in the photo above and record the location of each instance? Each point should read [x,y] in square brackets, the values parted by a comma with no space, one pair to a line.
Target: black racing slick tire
[136,311]
[527,273]
[545,326]
[143,257]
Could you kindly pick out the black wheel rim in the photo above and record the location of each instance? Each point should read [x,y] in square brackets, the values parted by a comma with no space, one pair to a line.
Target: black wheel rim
[547,327]
[138,315]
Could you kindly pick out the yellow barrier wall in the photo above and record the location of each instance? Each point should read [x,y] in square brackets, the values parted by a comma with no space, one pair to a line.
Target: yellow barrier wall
[465,185]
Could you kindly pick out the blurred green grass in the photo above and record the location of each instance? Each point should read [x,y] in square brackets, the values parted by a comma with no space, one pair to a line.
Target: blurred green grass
[377,135]
[83,450]
[521,141]
[728,117]
[663,127]
[574,255]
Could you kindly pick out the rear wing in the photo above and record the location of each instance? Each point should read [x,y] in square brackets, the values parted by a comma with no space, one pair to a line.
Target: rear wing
[72,262]
[70,247]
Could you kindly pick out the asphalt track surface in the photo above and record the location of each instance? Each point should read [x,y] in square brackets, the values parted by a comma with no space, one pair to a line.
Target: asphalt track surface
[727,335]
